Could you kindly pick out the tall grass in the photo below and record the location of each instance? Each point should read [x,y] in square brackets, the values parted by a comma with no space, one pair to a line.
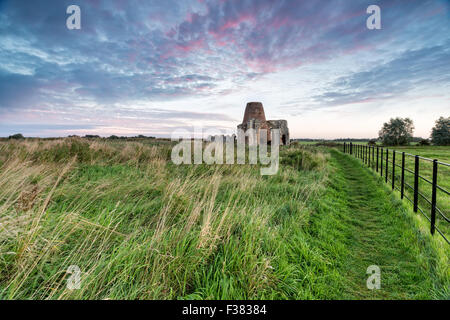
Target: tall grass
[140,227]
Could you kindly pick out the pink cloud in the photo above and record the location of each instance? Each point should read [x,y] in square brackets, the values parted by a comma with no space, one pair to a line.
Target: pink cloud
[233,23]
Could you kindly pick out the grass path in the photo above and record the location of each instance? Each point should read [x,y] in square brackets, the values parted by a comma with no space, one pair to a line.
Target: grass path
[372,227]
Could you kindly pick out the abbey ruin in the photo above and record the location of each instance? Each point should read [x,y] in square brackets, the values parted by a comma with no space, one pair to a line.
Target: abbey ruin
[254,118]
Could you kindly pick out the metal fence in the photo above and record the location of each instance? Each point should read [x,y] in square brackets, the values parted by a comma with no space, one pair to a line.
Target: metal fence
[383,160]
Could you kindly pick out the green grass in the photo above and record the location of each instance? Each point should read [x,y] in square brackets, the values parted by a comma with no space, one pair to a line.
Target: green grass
[140,227]
[441,153]
[380,230]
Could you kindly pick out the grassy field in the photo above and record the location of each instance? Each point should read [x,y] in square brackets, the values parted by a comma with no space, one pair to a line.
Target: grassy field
[140,227]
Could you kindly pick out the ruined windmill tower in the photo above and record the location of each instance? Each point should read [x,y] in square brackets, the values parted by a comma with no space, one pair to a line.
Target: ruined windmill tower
[254,118]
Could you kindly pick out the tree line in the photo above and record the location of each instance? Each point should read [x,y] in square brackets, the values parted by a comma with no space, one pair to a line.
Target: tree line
[395,132]
[91,136]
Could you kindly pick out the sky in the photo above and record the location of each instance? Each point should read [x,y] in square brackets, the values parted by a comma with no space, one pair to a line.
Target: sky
[154,67]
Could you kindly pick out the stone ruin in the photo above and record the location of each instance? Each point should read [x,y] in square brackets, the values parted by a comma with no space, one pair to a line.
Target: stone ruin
[254,118]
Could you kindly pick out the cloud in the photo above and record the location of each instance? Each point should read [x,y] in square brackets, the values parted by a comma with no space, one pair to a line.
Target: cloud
[132,53]
[414,69]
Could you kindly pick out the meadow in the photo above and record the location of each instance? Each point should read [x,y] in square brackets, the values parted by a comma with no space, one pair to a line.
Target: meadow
[140,227]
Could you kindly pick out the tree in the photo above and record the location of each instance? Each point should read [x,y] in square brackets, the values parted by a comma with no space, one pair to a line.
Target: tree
[396,132]
[440,134]
[424,142]
[16,136]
